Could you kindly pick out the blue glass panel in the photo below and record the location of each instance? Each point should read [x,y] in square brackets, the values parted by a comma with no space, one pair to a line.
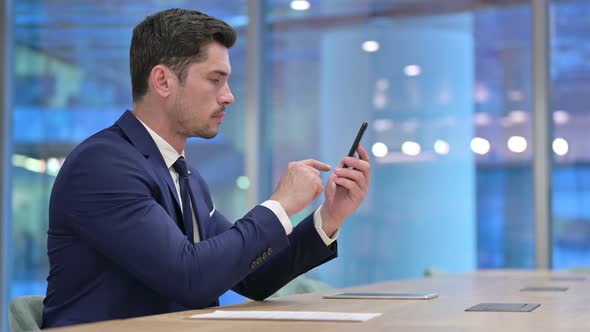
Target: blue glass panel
[570,79]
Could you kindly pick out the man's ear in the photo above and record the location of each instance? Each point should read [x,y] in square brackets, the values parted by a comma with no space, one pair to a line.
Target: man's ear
[162,80]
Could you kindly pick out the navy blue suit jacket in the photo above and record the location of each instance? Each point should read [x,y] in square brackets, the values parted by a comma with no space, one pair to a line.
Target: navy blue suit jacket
[115,250]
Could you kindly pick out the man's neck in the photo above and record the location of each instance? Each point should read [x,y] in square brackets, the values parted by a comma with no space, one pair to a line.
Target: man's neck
[158,123]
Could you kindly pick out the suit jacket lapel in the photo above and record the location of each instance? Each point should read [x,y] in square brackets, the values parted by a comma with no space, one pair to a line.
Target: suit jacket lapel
[144,143]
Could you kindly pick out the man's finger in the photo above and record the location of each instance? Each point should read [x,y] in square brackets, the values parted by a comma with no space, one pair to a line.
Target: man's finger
[358,164]
[362,153]
[354,175]
[320,166]
[347,183]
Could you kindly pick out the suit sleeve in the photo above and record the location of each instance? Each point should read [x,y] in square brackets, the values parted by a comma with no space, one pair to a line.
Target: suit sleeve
[305,251]
[106,196]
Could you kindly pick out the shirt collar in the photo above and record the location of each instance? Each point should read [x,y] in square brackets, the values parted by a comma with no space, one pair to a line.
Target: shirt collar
[168,152]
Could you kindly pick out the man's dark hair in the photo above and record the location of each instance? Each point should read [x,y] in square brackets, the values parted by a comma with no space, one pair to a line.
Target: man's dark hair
[174,38]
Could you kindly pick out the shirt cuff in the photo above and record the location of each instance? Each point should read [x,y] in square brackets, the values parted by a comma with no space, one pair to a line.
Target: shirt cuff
[317,221]
[279,211]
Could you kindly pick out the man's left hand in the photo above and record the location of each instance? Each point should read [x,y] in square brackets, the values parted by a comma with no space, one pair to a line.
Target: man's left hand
[345,190]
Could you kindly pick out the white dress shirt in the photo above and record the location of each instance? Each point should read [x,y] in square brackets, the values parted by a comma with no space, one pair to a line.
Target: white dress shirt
[170,156]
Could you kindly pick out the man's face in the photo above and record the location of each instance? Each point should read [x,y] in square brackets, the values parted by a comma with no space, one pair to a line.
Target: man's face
[199,104]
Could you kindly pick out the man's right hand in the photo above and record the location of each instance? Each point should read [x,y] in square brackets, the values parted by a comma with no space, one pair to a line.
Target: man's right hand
[300,185]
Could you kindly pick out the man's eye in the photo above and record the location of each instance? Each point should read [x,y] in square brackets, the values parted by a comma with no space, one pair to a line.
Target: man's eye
[215,81]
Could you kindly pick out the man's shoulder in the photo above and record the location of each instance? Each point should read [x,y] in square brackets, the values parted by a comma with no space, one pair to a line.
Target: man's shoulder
[103,152]
[102,143]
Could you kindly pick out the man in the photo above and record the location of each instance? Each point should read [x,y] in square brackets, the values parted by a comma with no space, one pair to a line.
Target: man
[133,232]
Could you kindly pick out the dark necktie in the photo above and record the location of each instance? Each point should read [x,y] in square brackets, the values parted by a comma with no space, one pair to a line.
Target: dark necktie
[185,196]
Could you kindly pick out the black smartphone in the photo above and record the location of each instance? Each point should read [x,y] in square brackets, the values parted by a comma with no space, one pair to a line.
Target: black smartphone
[357,140]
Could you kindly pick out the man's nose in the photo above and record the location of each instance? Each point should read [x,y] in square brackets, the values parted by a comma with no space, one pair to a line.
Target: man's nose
[226,98]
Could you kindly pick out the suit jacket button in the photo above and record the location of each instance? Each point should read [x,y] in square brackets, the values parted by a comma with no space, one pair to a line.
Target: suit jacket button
[264,256]
[258,260]
[269,251]
[253,265]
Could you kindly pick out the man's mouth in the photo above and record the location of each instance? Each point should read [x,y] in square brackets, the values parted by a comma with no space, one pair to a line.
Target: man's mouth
[219,115]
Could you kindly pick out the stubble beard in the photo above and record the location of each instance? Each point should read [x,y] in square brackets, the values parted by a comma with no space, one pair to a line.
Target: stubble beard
[203,130]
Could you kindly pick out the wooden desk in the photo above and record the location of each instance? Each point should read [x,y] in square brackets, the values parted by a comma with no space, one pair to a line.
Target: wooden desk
[559,311]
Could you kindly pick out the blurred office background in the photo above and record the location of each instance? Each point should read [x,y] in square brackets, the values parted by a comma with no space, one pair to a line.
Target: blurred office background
[446,85]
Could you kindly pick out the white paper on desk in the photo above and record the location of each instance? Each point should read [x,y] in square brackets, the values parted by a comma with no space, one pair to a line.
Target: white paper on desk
[288,315]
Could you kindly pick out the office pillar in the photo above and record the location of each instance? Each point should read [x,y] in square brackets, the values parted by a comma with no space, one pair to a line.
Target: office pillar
[542,135]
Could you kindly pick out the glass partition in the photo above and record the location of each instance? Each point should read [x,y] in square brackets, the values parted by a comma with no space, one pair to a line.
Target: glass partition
[570,82]
[447,93]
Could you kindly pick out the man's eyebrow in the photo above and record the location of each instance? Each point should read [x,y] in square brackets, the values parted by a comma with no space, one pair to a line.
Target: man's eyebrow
[220,72]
